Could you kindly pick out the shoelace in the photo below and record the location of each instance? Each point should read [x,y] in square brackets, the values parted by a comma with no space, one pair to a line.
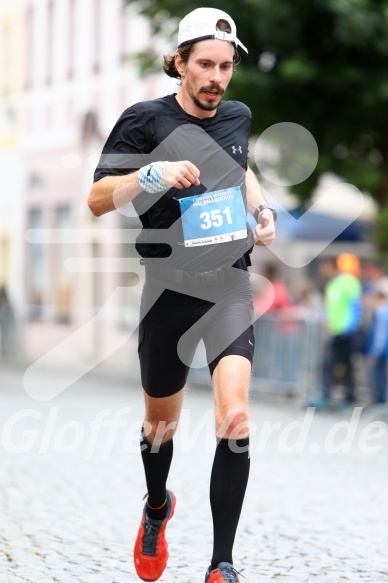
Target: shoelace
[230,574]
[150,537]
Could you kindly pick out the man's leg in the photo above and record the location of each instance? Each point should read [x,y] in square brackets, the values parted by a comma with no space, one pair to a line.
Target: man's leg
[230,471]
[329,362]
[163,378]
[380,381]
[159,426]
[160,423]
[347,352]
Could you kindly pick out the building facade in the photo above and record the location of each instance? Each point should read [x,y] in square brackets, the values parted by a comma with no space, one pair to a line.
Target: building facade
[79,72]
[12,184]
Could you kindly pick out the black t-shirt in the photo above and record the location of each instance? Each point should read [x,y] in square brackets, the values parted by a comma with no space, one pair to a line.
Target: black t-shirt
[161,130]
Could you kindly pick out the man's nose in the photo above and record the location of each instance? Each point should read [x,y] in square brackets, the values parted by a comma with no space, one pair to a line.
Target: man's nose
[216,75]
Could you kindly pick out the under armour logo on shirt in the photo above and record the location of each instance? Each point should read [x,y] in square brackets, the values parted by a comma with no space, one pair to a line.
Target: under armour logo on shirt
[237,149]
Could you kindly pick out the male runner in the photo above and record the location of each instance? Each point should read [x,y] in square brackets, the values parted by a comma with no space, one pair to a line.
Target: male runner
[192,200]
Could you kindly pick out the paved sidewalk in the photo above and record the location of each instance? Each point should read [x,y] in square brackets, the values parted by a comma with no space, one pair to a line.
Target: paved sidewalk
[71,488]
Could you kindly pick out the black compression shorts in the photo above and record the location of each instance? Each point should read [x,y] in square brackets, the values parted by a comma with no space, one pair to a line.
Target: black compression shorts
[172,324]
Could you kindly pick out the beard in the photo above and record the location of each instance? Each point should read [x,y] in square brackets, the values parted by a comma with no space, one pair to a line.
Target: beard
[210,105]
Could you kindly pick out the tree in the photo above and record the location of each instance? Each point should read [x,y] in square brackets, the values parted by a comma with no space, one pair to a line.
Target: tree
[318,63]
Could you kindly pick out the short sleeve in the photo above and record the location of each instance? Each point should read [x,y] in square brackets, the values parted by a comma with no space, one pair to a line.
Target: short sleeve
[126,147]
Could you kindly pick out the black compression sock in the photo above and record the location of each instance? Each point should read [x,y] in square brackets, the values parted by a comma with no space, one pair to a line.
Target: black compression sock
[228,483]
[157,463]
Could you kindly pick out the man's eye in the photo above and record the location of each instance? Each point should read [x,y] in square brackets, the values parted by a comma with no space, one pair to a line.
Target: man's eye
[205,65]
[225,67]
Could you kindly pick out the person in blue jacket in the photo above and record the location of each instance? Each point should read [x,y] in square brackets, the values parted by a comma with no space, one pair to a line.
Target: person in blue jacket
[378,344]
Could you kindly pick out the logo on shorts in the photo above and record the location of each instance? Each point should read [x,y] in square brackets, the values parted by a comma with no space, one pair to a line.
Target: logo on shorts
[237,150]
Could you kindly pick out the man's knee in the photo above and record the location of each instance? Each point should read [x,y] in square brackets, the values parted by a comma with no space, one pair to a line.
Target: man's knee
[161,417]
[157,431]
[232,422]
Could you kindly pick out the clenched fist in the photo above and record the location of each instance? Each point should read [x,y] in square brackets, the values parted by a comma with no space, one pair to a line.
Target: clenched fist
[180,174]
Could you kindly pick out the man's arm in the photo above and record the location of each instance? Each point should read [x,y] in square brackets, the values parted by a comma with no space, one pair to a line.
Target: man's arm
[112,192]
[264,233]
[254,195]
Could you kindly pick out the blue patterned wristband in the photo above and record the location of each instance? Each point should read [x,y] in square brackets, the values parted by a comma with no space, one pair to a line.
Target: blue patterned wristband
[150,178]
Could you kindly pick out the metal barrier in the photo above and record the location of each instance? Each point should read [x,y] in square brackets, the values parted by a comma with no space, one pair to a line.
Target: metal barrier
[289,349]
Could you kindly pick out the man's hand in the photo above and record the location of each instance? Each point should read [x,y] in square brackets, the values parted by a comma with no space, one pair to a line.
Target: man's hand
[180,174]
[264,233]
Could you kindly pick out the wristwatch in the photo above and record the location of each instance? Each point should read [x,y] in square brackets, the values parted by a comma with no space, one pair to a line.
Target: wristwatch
[260,208]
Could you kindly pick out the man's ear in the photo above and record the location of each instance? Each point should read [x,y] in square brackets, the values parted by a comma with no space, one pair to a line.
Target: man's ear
[179,65]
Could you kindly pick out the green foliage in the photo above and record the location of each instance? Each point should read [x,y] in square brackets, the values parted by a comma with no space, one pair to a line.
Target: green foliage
[382,232]
[147,62]
[319,63]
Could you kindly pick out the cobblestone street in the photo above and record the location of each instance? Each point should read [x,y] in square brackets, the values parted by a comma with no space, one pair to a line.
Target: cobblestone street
[316,508]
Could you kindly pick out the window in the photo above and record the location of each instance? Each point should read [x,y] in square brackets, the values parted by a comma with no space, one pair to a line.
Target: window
[62,278]
[96,49]
[123,33]
[5,59]
[71,39]
[29,47]
[35,274]
[50,41]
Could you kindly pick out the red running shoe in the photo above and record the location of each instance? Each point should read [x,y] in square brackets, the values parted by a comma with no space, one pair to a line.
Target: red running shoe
[225,573]
[151,553]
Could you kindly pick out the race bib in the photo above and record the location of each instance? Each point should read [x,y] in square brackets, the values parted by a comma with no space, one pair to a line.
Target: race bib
[213,217]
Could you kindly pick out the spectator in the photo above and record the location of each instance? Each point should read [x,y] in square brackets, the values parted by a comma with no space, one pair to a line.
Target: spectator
[372,275]
[378,343]
[275,295]
[308,300]
[342,304]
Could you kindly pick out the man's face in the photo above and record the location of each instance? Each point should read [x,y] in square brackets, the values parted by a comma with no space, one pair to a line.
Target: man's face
[207,73]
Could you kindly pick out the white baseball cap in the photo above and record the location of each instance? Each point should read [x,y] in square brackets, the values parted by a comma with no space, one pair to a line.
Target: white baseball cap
[201,24]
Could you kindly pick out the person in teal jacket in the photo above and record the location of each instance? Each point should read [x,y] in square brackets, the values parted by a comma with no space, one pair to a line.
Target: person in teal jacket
[342,304]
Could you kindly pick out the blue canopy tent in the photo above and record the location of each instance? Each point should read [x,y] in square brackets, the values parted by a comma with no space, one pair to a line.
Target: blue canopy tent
[315,226]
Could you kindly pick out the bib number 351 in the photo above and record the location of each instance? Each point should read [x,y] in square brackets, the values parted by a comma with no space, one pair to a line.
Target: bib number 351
[214,218]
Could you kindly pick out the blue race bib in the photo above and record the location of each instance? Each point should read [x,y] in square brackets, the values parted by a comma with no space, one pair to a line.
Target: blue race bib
[213,217]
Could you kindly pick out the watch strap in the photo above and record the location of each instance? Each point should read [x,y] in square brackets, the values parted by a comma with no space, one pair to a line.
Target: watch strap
[262,207]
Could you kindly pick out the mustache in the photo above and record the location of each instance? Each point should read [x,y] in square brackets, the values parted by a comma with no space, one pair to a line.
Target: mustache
[213,87]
